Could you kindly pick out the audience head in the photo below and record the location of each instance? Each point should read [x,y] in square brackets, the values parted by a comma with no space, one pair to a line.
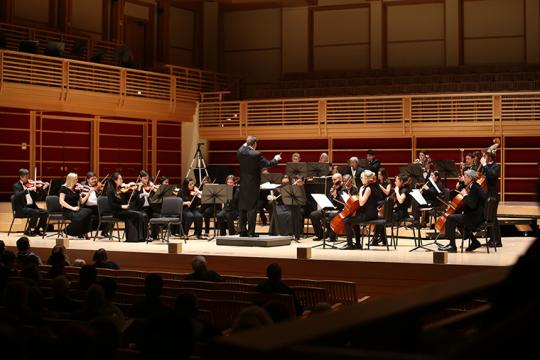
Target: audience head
[199,264]
[186,305]
[79,262]
[87,276]
[251,317]
[60,286]
[153,284]
[273,272]
[57,260]
[100,256]
[109,287]
[23,244]
[8,259]
[95,299]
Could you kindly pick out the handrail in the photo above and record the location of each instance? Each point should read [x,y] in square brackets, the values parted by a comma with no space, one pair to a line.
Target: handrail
[289,334]
[72,75]
[202,80]
[487,108]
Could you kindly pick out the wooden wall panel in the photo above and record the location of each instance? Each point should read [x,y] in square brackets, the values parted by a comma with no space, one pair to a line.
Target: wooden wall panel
[169,150]
[521,167]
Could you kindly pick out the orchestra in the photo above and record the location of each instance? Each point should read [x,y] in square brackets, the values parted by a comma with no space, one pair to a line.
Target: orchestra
[359,190]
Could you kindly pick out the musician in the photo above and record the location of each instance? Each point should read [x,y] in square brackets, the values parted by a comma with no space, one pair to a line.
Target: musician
[432,190]
[229,213]
[349,186]
[250,178]
[191,213]
[367,211]
[421,158]
[354,170]
[335,197]
[92,188]
[324,158]
[134,220]
[373,163]
[207,210]
[25,195]
[142,200]
[469,164]
[295,158]
[384,186]
[491,170]
[401,206]
[71,200]
[472,216]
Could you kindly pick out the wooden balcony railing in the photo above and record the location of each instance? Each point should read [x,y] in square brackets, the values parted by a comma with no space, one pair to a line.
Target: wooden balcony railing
[201,80]
[75,46]
[404,111]
[68,75]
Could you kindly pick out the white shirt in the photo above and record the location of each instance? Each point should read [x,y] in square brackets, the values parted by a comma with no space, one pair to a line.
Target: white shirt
[92,199]
[145,195]
[29,200]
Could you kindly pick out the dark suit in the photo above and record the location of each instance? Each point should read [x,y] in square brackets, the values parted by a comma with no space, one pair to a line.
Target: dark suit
[374,166]
[492,171]
[226,217]
[251,162]
[473,214]
[31,211]
[356,176]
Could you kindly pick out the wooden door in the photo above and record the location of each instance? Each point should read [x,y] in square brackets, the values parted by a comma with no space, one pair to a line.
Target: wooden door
[136,32]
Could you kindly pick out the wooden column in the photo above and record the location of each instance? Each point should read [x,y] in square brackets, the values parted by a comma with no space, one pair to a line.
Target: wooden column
[117,20]
[64,15]
[154,146]
[32,147]
[163,34]
[6,10]
[94,141]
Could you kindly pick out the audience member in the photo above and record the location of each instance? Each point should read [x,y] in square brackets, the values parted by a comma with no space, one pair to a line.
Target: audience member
[2,247]
[250,317]
[60,301]
[87,277]
[101,260]
[59,249]
[8,264]
[274,285]
[201,272]
[24,255]
[58,262]
[79,262]
[187,307]
[109,286]
[151,304]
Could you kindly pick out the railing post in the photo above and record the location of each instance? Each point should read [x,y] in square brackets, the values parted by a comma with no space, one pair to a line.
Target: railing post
[1,71]
[322,117]
[243,116]
[122,85]
[496,110]
[65,79]
[172,92]
[406,108]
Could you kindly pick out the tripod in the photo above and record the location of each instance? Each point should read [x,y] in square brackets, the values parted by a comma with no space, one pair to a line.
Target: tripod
[198,160]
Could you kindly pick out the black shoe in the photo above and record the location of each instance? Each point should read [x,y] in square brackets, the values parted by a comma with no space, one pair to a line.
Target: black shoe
[251,235]
[359,246]
[492,244]
[29,233]
[104,234]
[349,247]
[449,248]
[474,245]
[316,238]
[243,234]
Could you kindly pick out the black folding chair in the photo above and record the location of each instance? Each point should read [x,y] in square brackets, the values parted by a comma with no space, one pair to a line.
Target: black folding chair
[105,216]
[15,216]
[490,215]
[171,214]
[55,214]
[387,221]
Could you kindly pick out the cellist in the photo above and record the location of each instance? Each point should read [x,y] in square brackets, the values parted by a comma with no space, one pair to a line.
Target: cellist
[368,208]
[473,213]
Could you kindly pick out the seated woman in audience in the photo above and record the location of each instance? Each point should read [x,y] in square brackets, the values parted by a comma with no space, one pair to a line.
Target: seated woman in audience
[58,263]
[191,197]
[201,272]
[71,200]
[274,285]
[101,260]
[136,230]
[59,249]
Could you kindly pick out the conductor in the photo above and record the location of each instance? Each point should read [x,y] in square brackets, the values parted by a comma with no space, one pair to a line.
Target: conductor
[250,178]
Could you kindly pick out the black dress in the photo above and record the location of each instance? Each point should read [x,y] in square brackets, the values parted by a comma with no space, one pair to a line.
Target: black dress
[80,220]
[141,202]
[135,220]
[367,212]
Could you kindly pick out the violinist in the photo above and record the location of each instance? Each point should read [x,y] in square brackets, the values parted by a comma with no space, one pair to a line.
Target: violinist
[25,195]
[469,164]
[401,205]
[432,190]
[134,220]
[207,210]
[191,214]
[354,170]
[283,221]
[141,200]
[348,185]
[316,216]
[229,213]
[367,211]
[93,189]
[472,216]
[491,170]
[71,199]
[384,186]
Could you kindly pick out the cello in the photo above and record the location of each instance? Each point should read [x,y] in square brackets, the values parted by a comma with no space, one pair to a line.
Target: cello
[453,207]
[337,224]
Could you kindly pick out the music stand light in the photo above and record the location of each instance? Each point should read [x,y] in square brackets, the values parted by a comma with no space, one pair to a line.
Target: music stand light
[216,194]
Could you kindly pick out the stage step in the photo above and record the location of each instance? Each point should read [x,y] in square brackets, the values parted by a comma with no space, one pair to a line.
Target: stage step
[261,241]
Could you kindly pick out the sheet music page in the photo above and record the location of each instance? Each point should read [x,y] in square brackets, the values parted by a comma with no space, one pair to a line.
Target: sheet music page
[322,201]
[345,197]
[417,195]
[269,186]
[434,185]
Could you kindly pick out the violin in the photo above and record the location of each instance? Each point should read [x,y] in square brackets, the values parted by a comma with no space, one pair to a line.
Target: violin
[127,187]
[36,183]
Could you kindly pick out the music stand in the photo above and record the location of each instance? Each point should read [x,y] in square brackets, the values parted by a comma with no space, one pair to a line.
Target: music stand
[326,205]
[293,197]
[446,169]
[272,178]
[298,169]
[163,191]
[317,170]
[363,164]
[414,171]
[214,194]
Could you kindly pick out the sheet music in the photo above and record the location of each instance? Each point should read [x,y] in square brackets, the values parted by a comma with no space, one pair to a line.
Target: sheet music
[434,185]
[345,197]
[417,195]
[322,201]
[269,186]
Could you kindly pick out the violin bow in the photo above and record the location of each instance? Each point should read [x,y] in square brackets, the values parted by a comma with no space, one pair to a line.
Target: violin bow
[133,191]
